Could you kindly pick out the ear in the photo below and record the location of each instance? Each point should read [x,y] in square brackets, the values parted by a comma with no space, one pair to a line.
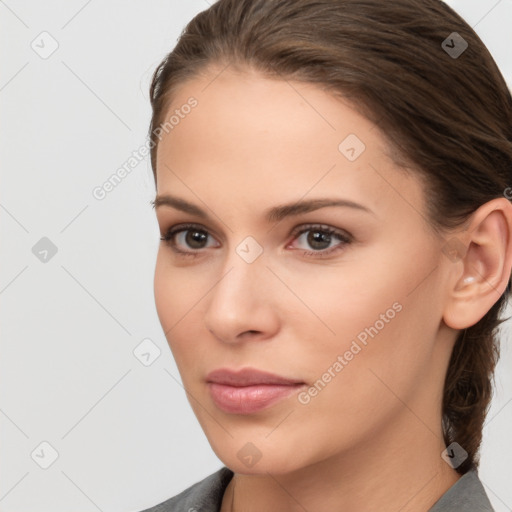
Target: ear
[480,260]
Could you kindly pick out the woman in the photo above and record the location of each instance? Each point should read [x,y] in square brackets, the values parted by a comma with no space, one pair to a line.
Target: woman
[336,250]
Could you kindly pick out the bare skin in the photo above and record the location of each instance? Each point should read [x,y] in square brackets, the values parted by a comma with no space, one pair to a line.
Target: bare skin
[371,439]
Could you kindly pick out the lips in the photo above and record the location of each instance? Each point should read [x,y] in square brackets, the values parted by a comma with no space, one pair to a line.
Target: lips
[248,377]
[248,391]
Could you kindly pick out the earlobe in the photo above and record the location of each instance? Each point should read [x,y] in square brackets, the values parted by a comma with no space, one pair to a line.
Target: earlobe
[486,265]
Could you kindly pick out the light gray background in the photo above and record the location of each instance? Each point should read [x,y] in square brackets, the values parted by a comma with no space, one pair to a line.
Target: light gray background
[124,432]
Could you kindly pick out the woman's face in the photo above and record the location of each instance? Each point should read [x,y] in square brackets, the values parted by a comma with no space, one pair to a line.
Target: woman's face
[346,299]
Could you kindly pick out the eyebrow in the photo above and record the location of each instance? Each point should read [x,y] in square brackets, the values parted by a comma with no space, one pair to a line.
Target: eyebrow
[274,214]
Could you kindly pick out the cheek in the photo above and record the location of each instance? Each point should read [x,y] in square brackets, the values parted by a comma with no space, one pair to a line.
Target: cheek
[176,291]
[164,286]
[371,319]
[170,301]
[385,339]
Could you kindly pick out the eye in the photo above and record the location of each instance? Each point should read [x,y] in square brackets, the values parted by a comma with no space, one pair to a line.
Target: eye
[188,239]
[184,236]
[320,238]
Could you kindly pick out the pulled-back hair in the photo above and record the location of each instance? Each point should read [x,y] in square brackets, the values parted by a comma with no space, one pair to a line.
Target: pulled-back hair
[447,117]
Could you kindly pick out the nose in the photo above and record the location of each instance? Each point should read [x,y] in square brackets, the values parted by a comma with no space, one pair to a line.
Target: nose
[242,304]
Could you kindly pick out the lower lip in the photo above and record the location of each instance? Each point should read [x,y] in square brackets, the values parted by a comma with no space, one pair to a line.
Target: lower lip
[249,399]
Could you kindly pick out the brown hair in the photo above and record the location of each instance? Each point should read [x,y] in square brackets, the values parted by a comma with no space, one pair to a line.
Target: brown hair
[447,116]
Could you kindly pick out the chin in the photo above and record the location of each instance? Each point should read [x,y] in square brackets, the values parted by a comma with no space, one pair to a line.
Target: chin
[260,457]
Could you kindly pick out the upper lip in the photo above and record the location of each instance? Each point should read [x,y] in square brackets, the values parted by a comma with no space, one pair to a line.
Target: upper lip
[248,377]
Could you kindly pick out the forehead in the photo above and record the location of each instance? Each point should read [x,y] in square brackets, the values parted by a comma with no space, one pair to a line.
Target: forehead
[249,133]
[235,107]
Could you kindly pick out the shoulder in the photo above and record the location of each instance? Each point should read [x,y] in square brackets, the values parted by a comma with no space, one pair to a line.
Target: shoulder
[204,496]
[466,495]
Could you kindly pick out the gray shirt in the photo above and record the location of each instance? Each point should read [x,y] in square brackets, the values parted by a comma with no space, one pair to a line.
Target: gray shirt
[466,495]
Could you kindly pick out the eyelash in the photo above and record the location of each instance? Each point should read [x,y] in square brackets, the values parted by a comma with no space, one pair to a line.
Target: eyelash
[344,238]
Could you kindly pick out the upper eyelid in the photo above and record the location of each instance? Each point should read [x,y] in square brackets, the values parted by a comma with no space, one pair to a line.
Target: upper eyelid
[184,226]
[297,229]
